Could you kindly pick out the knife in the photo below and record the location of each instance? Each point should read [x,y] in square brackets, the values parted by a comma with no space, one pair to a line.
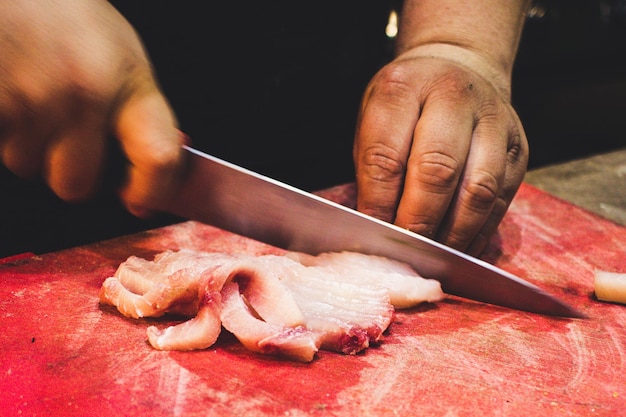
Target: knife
[241,201]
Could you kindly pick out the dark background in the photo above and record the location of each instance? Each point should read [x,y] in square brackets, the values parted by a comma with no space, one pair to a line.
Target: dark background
[569,84]
[274,86]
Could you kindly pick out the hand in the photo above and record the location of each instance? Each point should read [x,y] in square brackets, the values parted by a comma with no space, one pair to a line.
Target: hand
[72,74]
[439,150]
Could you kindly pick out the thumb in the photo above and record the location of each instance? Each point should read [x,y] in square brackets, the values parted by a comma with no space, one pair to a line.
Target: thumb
[147,130]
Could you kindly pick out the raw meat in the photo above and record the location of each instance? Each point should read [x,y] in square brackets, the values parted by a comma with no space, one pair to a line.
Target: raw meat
[289,306]
[173,282]
[398,278]
[295,342]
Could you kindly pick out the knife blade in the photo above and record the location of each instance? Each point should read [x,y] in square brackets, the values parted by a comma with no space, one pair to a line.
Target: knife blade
[244,202]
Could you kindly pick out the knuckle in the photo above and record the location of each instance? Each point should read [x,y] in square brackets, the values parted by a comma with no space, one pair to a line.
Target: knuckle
[438,171]
[457,85]
[499,209]
[382,163]
[517,152]
[480,241]
[424,227]
[392,85]
[481,201]
[482,189]
[457,239]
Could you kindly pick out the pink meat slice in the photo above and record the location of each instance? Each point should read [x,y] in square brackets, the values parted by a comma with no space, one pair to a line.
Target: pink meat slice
[282,305]
[343,316]
[406,288]
[196,279]
[139,275]
[346,316]
[127,302]
[200,332]
[260,285]
[295,342]
[178,280]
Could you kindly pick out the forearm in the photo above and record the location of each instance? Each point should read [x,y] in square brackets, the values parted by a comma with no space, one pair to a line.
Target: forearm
[488,31]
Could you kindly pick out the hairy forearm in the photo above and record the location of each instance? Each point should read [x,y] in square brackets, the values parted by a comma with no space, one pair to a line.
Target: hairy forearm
[489,30]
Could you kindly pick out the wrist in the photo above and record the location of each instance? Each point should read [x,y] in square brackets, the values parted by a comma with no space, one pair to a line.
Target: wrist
[495,73]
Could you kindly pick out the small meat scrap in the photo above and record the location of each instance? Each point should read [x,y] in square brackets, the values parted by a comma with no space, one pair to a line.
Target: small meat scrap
[290,306]
[610,286]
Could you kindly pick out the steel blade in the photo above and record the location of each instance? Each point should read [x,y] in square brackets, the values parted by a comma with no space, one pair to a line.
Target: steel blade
[241,201]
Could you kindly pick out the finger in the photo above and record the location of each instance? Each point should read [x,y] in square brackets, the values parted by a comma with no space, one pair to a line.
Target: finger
[517,161]
[21,153]
[147,130]
[480,185]
[480,241]
[382,143]
[438,154]
[75,160]
[23,139]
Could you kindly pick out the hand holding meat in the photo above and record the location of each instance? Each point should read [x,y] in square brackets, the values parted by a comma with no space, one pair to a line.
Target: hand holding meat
[72,74]
[439,150]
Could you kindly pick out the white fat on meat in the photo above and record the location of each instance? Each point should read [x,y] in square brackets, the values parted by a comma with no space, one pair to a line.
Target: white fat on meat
[290,306]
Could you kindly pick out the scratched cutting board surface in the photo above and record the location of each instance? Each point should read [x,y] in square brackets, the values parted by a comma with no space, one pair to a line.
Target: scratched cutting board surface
[61,353]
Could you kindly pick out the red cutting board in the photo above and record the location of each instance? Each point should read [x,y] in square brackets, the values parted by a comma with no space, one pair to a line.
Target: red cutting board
[61,353]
